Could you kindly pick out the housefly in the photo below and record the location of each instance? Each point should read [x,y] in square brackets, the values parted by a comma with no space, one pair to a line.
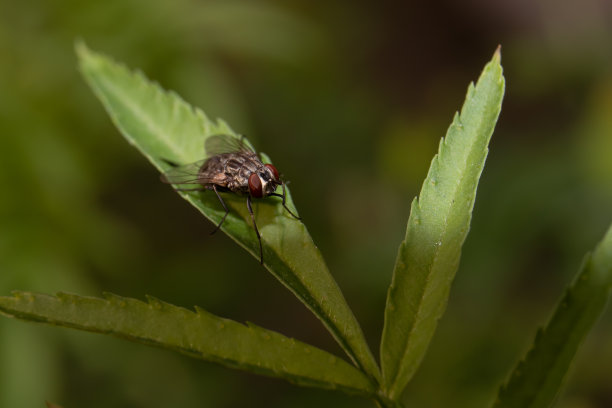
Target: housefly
[230,166]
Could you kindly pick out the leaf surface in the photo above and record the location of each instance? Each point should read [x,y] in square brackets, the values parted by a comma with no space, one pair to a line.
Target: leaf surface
[438,224]
[198,334]
[538,378]
[165,128]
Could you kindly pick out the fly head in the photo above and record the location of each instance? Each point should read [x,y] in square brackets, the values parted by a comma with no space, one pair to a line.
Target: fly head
[264,182]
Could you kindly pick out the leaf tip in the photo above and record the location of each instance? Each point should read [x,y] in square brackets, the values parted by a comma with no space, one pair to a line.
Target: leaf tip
[496,66]
[497,54]
[87,59]
[83,52]
[80,47]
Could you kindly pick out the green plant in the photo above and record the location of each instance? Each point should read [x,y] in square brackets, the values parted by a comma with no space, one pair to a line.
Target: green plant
[165,128]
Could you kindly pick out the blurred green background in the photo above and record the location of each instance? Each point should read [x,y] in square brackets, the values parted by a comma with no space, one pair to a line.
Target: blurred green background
[350,99]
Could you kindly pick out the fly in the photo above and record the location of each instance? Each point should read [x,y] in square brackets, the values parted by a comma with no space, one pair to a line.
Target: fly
[230,166]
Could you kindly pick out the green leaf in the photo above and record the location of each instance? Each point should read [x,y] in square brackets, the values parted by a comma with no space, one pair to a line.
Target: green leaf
[439,221]
[198,334]
[163,126]
[538,378]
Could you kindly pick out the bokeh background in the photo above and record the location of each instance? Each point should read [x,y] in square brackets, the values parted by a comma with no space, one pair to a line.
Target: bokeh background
[350,99]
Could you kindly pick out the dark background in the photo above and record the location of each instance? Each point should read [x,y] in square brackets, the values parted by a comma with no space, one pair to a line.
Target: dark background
[350,100]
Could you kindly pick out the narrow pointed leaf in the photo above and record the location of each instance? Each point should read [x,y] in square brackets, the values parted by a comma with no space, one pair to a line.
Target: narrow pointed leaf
[164,127]
[437,227]
[538,378]
[198,334]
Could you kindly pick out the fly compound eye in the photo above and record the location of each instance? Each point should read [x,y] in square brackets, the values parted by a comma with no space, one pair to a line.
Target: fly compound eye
[255,187]
[274,171]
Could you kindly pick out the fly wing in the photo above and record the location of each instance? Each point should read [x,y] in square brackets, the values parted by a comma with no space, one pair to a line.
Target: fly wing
[188,174]
[223,143]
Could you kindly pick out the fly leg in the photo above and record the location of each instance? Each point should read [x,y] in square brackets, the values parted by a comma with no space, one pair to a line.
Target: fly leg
[284,205]
[255,228]
[224,207]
